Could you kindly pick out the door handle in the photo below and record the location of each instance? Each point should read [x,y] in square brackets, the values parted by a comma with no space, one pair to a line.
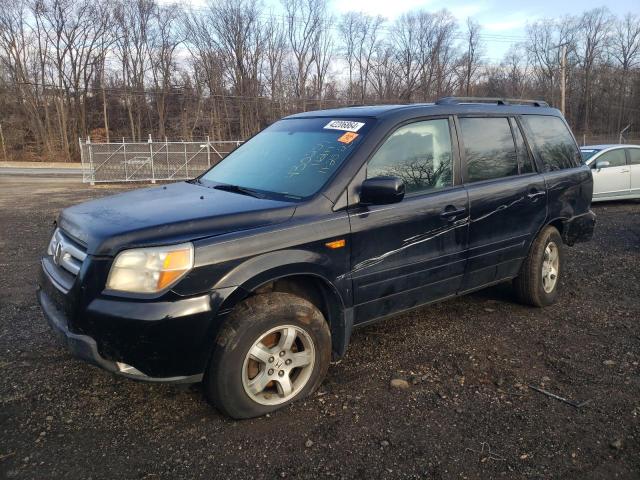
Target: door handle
[535,194]
[450,213]
[624,171]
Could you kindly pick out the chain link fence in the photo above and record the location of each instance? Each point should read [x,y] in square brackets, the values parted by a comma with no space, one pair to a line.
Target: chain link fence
[149,161]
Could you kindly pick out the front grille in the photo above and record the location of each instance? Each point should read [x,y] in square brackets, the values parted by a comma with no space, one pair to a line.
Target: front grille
[66,253]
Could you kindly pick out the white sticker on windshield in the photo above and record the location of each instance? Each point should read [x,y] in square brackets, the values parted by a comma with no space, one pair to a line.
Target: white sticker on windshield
[344,125]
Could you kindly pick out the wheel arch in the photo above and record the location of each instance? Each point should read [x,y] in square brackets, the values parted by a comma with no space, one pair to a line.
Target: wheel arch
[308,280]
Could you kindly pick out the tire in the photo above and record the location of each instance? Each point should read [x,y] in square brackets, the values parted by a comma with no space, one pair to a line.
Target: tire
[234,378]
[533,285]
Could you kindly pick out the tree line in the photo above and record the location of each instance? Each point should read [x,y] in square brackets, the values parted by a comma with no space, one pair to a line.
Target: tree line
[129,68]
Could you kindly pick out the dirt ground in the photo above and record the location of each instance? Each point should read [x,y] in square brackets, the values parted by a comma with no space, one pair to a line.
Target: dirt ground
[468,412]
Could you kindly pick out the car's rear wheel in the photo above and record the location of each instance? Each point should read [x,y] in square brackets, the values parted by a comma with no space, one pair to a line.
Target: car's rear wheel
[274,349]
[537,283]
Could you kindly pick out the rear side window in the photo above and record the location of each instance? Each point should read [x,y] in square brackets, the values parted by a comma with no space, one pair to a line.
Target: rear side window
[634,156]
[418,153]
[552,141]
[489,148]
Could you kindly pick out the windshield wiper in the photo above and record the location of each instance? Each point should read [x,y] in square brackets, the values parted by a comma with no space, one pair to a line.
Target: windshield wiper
[238,189]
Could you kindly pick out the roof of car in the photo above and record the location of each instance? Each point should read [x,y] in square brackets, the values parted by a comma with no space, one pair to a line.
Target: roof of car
[356,111]
[438,108]
[605,146]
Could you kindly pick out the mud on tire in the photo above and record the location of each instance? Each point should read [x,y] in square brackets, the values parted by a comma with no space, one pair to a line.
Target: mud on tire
[251,352]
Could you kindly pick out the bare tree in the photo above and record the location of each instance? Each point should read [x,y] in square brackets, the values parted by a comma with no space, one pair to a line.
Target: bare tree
[133,23]
[71,68]
[594,29]
[275,45]
[322,55]
[304,22]
[471,59]
[625,49]
[164,41]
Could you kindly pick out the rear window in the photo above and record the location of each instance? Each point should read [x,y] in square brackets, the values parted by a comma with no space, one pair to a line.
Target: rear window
[552,141]
[489,148]
[634,156]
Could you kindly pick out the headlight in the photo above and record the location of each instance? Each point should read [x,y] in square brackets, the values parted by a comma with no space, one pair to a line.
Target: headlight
[150,270]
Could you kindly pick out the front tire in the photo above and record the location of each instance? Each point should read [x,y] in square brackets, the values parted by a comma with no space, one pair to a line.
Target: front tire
[273,349]
[537,283]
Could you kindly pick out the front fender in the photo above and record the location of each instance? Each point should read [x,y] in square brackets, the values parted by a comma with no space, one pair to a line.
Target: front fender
[273,266]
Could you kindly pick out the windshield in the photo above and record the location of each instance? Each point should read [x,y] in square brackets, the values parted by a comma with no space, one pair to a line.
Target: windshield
[588,153]
[292,158]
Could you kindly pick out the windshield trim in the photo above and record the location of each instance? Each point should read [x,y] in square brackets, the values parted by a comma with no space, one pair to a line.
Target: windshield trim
[264,194]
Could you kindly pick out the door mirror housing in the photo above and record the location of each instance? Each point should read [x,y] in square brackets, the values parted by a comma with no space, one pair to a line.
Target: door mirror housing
[381,191]
[602,164]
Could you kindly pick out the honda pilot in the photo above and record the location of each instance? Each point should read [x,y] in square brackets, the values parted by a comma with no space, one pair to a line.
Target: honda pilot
[251,277]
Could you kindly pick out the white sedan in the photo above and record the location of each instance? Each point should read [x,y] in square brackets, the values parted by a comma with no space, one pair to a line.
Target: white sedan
[616,170]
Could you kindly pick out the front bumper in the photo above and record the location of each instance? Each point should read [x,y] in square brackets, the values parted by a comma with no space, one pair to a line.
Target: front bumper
[165,339]
[85,348]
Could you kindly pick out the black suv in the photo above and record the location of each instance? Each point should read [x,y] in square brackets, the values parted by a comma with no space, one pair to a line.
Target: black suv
[251,277]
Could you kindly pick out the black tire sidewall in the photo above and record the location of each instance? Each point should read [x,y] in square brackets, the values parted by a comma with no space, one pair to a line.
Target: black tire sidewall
[259,314]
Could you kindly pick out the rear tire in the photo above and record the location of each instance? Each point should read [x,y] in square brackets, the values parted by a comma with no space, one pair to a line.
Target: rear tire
[537,283]
[273,349]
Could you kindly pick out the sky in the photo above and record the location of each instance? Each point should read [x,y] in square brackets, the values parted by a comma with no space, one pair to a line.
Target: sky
[503,21]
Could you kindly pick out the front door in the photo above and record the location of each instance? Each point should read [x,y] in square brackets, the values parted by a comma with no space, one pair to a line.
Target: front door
[413,252]
[613,180]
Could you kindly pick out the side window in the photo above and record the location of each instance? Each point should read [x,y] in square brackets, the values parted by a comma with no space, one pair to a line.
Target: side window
[553,142]
[634,156]
[616,158]
[489,148]
[524,159]
[419,154]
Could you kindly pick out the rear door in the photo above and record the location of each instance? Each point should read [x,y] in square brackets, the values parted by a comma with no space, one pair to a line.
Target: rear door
[633,156]
[569,182]
[613,180]
[412,252]
[507,198]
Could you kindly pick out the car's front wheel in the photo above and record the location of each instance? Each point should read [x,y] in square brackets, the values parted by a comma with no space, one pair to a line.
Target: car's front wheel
[273,349]
[537,283]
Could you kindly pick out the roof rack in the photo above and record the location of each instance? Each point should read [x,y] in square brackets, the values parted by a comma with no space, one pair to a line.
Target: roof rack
[499,101]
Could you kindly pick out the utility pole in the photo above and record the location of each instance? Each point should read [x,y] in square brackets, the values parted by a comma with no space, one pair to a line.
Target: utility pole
[563,79]
[4,148]
[563,76]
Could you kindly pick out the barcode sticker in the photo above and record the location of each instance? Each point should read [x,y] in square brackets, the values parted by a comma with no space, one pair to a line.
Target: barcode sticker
[344,125]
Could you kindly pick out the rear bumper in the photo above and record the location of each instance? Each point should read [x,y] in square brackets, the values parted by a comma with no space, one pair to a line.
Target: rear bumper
[86,348]
[579,228]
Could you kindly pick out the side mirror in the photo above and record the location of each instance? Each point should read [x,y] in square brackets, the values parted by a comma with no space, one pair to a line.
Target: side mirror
[602,164]
[381,190]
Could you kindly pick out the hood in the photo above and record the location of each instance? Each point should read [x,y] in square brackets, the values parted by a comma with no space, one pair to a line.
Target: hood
[172,213]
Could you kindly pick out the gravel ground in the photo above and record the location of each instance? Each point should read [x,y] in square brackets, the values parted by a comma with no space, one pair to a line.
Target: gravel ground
[467,413]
